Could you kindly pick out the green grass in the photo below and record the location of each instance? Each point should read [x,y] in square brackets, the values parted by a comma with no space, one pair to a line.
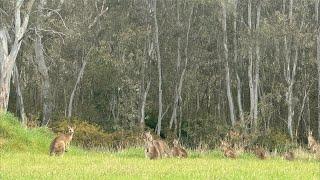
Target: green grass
[24,155]
[131,164]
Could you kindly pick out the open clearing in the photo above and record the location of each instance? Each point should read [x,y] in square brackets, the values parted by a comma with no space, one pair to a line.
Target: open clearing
[131,164]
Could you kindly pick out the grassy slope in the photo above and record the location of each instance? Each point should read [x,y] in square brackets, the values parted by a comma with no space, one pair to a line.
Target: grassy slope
[24,155]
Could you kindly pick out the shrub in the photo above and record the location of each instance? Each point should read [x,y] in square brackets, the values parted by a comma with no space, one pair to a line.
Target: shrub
[88,135]
[274,140]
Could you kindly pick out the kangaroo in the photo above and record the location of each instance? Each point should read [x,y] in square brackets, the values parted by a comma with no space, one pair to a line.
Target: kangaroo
[178,151]
[312,143]
[227,150]
[151,151]
[61,143]
[289,156]
[260,152]
[160,145]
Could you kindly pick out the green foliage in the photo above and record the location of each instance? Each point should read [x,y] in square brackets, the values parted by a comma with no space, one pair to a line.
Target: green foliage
[88,135]
[14,137]
[274,140]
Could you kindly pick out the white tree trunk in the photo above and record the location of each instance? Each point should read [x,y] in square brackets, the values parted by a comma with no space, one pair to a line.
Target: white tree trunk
[235,57]
[156,41]
[250,71]
[81,72]
[19,96]
[225,48]
[9,57]
[257,72]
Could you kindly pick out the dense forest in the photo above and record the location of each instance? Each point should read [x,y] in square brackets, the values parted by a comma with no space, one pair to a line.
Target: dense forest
[189,68]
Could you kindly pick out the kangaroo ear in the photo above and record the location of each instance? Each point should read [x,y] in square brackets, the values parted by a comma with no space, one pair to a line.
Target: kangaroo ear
[68,127]
[74,127]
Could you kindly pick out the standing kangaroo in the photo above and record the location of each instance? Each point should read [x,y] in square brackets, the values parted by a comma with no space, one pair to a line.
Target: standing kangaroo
[178,151]
[159,145]
[61,143]
[312,143]
[227,150]
[151,151]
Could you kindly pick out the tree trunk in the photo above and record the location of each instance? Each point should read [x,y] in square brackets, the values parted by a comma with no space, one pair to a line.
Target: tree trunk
[176,94]
[19,96]
[225,48]
[9,57]
[235,57]
[81,72]
[318,61]
[250,72]
[45,81]
[257,72]
[289,94]
[156,41]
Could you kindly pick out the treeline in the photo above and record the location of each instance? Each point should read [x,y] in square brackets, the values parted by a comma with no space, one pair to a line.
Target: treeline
[192,69]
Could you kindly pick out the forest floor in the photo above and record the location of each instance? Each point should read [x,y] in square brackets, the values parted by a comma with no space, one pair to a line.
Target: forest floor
[24,155]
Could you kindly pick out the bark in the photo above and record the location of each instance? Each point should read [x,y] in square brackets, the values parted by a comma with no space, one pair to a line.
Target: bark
[45,81]
[143,91]
[178,88]
[9,57]
[257,72]
[19,96]
[225,48]
[289,95]
[235,53]
[80,75]
[156,41]
[176,94]
[318,61]
[250,71]
[290,12]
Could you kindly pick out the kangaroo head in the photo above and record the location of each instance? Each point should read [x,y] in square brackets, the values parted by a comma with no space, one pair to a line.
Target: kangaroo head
[147,137]
[224,144]
[71,129]
[175,142]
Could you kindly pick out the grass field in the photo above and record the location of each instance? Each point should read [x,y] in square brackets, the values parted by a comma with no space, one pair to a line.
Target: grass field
[24,155]
[131,164]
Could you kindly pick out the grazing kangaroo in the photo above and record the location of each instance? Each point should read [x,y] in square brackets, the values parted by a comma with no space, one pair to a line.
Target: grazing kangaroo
[160,145]
[312,143]
[260,152]
[227,150]
[61,143]
[177,150]
[289,156]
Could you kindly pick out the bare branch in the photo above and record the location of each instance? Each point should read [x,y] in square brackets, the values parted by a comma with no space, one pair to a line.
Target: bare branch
[102,12]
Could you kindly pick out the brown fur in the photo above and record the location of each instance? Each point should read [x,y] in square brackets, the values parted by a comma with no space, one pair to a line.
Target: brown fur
[312,144]
[160,145]
[227,150]
[260,152]
[151,151]
[61,143]
[289,156]
[177,150]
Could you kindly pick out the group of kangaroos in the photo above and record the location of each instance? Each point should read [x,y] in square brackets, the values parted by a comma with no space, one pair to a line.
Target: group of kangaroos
[157,148]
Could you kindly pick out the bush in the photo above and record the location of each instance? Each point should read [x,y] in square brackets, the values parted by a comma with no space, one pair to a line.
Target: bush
[88,135]
[274,140]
